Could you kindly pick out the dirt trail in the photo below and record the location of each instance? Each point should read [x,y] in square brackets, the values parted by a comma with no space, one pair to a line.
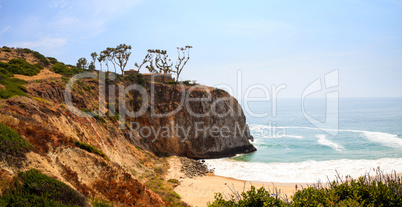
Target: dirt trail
[44,74]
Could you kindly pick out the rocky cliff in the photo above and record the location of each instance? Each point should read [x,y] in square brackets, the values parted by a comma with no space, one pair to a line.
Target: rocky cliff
[203,122]
[192,121]
[114,133]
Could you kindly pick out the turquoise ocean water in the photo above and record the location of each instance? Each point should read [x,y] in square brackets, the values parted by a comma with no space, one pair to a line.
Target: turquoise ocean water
[307,142]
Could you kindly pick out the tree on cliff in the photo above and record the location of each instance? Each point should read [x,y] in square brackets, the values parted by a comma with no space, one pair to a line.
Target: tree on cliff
[91,66]
[101,59]
[159,62]
[183,55]
[147,59]
[121,54]
[110,55]
[103,56]
[82,63]
[94,56]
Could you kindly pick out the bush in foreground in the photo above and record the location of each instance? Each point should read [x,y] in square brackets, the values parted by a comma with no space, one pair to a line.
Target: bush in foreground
[251,198]
[379,190]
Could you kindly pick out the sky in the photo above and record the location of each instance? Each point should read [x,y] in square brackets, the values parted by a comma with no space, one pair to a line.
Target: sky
[245,47]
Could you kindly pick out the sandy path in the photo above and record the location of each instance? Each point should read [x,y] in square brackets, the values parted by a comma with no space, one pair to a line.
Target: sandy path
[44,74]
[200,190]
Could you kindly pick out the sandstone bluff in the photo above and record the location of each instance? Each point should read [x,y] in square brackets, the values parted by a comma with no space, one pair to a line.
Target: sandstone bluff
[111,155]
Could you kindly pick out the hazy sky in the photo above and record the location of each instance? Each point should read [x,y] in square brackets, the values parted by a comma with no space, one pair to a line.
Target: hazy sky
[271,42]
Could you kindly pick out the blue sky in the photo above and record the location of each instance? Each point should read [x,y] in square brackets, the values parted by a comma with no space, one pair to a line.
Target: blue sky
[271,42]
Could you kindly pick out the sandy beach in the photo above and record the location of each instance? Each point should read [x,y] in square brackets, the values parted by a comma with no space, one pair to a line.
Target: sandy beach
[200,190]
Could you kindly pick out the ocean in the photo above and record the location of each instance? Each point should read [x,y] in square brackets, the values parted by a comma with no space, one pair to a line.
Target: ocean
[316,140]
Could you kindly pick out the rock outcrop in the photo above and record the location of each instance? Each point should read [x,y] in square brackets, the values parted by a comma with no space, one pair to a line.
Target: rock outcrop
[193,168]
[193,121]
[209,124]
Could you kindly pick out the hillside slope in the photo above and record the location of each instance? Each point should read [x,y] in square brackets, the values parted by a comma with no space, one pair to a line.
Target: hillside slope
[110,154]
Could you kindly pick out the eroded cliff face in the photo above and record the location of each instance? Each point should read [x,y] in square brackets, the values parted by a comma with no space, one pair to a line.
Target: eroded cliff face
[131,128]
[192,121]
[201,122]
[53,131]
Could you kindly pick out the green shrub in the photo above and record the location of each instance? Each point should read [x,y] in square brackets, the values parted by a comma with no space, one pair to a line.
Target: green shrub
[379,190]
[91,149]
[94,114]
[63,69]
[39,66]
[52,60]
[251,198]
[138,79]
[12,143]
[158,170]
[32,188]
[4,73]
[171,82]
[42,59]
[101,203]
[40,99]
[26,50]
[174,181]
[165,191]
[383,190]
[13,87]
[21,66]
[219,91]
[100,119]
[5,49]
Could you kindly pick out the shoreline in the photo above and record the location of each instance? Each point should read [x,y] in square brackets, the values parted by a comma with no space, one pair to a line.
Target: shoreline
[198,191]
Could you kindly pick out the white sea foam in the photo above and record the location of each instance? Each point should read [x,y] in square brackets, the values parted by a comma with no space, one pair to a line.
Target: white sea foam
[386,139]
[301,172]
[282,136]
[390,140]
[322,139]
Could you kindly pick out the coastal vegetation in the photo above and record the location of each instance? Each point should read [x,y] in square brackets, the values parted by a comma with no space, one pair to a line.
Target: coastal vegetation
[32,188]
[21,66]
[12,143]
[378,190]
[35,115]
[91,149]
[11,87]
[66,70]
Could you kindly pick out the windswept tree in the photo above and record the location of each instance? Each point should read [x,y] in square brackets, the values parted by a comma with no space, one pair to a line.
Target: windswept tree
[91,66]
[121,55]
[82,63]
[105,56]
[110,55]
[183,55]
[94,56]
[148,58]
[102,58]
[159,62]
